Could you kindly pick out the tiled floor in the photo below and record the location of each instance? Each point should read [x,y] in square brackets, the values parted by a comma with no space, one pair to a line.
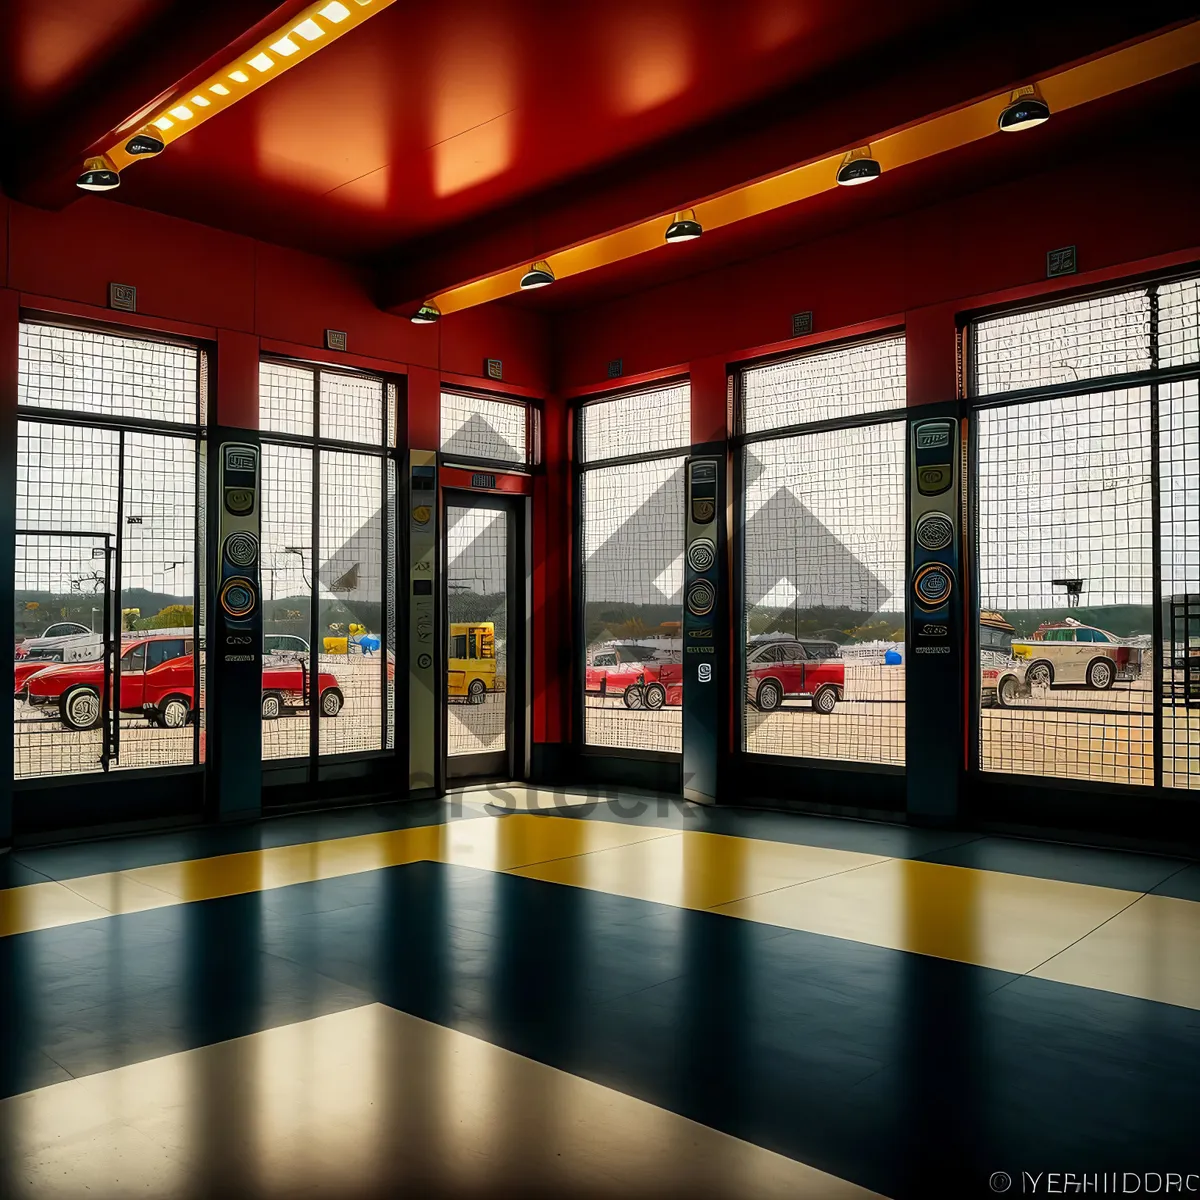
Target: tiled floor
[686,1001]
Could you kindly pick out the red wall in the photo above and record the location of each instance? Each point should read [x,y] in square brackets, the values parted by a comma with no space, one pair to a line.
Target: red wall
[220,282]
[919,269]
[247,297]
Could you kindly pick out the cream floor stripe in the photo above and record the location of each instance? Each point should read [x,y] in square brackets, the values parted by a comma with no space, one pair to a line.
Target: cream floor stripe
[1106,938]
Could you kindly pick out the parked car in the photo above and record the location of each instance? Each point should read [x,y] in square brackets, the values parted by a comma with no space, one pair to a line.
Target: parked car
[158,681]
[64,641]
[284,643]
[1067,654]
[995,654]
[783,668]
[626,670]
[76,687]
[471,665]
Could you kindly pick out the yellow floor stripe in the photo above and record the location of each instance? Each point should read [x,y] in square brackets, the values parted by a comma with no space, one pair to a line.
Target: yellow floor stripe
[697,870]
[1105,938]
[373,1101]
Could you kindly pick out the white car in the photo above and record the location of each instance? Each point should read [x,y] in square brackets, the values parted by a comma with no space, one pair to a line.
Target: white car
[63,642]
[1068,654]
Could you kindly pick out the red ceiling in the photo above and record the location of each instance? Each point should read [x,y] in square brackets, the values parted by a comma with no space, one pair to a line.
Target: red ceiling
[435,113]
[554,119]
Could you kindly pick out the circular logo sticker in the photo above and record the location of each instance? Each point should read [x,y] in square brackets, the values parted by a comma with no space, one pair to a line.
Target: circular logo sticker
[424,661]
[421,514]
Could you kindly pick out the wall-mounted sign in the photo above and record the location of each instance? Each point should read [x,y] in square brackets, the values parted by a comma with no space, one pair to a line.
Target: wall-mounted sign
[1060,262]
[483,481]
[122,296]
[802,324]
[493,368]
[615,367]
[335,339]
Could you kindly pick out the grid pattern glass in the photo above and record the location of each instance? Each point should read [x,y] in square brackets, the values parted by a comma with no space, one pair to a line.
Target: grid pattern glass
[1179,323]
[1066,344]
[350,602]
[106,514]
[824,541]
[646,422]
[491,430]
[1066,583]
[477,629]
[100,374]
[350,409]
[1179,508]
[285,399]
[850,381]
[391,623]
[286,550]
[632,518]
[346,574]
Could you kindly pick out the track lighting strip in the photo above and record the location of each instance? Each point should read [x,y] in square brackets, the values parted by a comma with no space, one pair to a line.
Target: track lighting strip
[315,27]
[1127,67]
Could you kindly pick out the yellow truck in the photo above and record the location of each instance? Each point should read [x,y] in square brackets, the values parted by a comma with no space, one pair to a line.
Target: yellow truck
[471,666]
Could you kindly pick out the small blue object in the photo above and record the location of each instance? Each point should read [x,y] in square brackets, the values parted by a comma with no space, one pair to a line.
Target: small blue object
[891,658]
[368,644]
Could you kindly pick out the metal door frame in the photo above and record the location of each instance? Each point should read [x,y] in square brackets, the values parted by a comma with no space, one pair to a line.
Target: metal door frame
[511,763]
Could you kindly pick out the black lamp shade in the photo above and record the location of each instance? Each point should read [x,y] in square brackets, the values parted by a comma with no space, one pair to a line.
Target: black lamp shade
[858,170]
[98,176]
[538,275]
[1024,113]
[684,229]
[145,143]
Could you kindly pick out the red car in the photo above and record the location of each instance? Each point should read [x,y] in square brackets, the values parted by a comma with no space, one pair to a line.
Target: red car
[158,681]
[628,671]
[782,668]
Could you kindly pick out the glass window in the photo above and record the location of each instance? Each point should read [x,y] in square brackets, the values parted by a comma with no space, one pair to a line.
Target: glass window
[847,382]
[478,427]
[639,423]
[107,518]
[1065,495]
[458,646]
[102,374]
[824,554]
[161,651]
[1179,323]
[134,659]
[632,528]
[329,595]
[1087,339]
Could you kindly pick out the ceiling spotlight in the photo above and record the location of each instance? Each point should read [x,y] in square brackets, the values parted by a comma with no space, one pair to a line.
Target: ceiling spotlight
[858,167]
[145,141]
[1024,110]
[98,175]
[538,275]
[684,227]
[427,314]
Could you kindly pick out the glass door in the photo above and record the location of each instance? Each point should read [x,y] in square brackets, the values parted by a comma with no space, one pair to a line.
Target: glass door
[485,642]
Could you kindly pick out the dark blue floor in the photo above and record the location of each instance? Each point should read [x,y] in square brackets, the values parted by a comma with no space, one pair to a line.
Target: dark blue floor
[910,1075]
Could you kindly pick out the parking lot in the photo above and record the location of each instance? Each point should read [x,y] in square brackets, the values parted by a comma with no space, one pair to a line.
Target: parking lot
[43,746]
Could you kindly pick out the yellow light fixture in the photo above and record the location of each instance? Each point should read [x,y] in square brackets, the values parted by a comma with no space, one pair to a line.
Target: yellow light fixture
[313,28]
[1127,67]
